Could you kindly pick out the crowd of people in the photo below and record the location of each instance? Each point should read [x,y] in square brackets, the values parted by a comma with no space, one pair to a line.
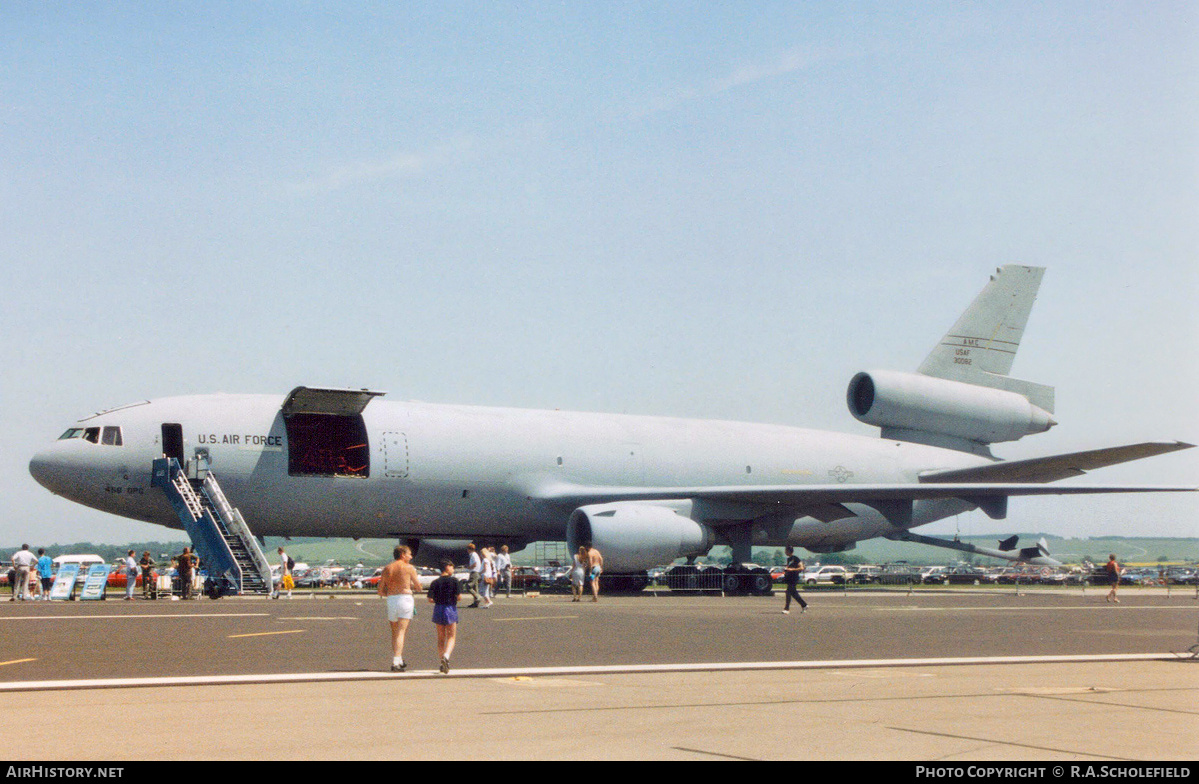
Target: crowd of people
[585,573]
[31,576]
[488,571]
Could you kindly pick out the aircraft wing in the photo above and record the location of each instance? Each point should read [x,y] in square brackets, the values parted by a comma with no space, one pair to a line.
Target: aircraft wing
[802,496]
[1051,469]
[987,487]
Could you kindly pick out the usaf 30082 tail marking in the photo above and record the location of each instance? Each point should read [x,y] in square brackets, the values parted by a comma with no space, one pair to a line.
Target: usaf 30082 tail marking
[645,490]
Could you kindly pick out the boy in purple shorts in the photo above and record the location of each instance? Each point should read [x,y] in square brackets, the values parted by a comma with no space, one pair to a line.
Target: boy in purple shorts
[443,595]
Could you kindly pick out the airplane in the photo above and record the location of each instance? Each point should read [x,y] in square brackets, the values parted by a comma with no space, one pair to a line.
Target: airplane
[644,490]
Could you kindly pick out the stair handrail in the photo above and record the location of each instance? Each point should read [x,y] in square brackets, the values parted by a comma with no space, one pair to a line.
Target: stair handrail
[169,469]
[190,500]
[236,524]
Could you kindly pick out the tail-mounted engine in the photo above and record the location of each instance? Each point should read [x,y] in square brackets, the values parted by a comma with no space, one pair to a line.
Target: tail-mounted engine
[907,405]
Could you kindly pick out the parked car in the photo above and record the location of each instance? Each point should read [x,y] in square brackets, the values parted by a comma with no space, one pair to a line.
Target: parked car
[357,576]
[117,577]
[967,575]
[316,577]
[1057,577]
[1182,575]
[933,575]
[1138,577]
[550,575]
[898,573]
[864,574]
[836,575]
[1014,576]
[1076,576]
[525,578]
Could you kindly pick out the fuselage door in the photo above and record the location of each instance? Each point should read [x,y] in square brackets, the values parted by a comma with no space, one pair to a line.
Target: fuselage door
[326,434]
[172,441]
[334,402]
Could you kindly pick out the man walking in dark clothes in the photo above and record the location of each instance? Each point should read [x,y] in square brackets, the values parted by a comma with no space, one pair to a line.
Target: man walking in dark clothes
[443,594]
[186,565]
[791,573]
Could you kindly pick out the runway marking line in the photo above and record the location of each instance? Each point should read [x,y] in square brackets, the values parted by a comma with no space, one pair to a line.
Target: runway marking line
[1085,608]
[539,618]
[132,617]
[633,669]
[17,661]
[266,634]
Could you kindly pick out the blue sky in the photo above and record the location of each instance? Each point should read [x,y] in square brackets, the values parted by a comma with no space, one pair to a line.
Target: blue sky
[695,209]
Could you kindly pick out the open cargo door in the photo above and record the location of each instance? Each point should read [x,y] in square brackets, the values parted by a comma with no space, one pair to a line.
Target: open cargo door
[325,432]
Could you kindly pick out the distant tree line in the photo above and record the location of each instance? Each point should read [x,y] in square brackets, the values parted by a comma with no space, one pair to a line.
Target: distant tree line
[109,552]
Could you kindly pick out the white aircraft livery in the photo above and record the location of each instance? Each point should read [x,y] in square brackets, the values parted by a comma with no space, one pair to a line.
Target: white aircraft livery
[645,490]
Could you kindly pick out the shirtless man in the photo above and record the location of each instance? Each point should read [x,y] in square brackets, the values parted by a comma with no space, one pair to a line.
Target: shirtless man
[595,566]
[398,582]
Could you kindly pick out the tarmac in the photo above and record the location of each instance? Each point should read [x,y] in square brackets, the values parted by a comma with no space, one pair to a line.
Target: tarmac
[938,675]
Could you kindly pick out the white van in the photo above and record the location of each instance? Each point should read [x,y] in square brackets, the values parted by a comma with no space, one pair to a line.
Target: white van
[84,561]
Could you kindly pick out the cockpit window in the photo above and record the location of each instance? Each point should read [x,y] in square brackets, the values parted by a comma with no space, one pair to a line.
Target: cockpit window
[109,436]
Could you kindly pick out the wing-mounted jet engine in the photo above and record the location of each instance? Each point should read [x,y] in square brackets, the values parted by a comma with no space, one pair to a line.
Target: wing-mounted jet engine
[637,536]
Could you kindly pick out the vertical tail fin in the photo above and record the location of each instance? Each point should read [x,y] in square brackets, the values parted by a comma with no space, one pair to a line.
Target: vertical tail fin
[981,346]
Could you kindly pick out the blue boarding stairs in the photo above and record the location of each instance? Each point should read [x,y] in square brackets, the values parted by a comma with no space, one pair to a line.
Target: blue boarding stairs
[227,549]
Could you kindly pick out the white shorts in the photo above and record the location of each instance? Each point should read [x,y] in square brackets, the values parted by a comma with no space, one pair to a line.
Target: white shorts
[401,607]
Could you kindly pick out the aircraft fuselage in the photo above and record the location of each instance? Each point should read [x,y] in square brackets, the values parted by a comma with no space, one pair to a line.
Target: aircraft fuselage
[405,469]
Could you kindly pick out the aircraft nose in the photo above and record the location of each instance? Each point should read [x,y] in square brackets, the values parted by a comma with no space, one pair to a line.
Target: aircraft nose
[47,470]
[39,467]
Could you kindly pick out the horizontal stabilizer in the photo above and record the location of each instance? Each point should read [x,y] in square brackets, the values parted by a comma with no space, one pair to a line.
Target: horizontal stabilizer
[1007,551]
[1053,468]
